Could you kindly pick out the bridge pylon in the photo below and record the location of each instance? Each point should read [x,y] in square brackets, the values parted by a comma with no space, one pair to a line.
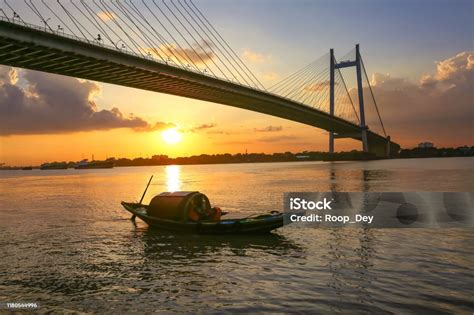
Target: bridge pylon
[333,66]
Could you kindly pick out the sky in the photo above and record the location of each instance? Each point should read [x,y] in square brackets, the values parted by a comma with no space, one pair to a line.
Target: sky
[419,56]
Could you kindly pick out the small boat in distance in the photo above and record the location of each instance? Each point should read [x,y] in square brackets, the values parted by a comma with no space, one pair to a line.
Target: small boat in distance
[85,164]
[191,212]
[54,166]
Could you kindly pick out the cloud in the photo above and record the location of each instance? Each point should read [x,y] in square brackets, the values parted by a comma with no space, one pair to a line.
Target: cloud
[106,16]
[388,82]
[8,75]
[255,57]
[277,138]
[438,108]
[216,132]
[285,139]
[155,127]
[451,68]
[317,87]
[269,129]
[199,54]
[57,104]
[200,127]
[271,76]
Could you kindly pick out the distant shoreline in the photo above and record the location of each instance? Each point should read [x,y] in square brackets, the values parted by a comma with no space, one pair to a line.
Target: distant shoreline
[204,159]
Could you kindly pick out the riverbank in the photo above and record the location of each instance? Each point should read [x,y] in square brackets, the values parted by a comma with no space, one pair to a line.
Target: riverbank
[227,158]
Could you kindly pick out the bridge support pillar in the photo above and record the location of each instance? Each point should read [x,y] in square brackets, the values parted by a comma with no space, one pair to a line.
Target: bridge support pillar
[331,96]
[384,149]
[365,144]
[331,142]
[380,149]
[388,152]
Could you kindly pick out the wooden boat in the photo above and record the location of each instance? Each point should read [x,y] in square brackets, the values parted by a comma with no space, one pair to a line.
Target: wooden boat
[250,225]
[191,211]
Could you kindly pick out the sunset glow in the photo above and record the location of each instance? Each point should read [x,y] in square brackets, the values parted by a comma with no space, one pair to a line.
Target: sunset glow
[171,136]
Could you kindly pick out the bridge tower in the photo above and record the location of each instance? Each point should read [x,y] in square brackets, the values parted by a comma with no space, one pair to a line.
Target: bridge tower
[333,66]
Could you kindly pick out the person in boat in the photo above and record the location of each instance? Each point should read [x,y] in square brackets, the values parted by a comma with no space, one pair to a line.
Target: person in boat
[199,211]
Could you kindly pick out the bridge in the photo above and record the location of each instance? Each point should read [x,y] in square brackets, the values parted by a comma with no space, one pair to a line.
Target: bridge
[193,72]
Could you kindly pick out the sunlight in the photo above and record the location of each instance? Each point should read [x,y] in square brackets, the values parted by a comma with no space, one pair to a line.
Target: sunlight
[171,136]
[173,180]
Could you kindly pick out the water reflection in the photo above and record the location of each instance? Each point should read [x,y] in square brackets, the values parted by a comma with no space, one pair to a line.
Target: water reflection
[350,265]
[159,245]
[334,187]
[364,178]
[173,179]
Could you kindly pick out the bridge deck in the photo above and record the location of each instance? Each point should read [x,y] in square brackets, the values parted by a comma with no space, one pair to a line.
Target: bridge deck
[29,48]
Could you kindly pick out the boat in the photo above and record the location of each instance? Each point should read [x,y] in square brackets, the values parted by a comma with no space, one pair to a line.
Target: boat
[191,212]
[85,164]
[250,225]
[54,166]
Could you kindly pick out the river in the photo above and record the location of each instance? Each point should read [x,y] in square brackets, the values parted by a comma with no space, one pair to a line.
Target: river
[67,244]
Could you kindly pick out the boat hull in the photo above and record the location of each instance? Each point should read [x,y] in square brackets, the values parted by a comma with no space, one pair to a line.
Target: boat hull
[94,165]
[253,225]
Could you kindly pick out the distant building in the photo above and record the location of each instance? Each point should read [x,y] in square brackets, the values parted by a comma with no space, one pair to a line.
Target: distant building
[425,145]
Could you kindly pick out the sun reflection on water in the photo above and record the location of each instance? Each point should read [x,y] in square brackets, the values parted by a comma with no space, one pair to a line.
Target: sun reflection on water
[173,180]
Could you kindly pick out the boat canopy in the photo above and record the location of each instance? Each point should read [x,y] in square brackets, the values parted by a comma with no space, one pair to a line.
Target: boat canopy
[177,206]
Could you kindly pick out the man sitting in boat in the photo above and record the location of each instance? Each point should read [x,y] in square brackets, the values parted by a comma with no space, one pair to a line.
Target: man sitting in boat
[199,211]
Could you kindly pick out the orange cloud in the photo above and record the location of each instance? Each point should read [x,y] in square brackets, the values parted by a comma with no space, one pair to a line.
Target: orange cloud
[106,16]
[8,75]
[317,87]
[255,57]
[200,54]
[269,129]
[451,67]
[200,127]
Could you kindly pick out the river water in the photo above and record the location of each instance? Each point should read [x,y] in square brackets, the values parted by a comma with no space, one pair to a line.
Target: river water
[67,244]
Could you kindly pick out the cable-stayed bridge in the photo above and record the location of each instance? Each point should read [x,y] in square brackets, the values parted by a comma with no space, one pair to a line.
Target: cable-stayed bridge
[171,47]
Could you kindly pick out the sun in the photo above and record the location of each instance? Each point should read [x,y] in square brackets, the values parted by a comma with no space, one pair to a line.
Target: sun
[171,136]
